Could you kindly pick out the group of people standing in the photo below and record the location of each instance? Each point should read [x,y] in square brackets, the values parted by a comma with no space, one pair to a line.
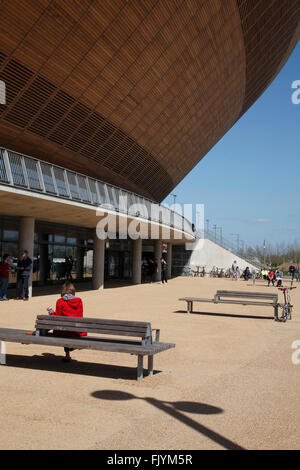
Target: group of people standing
[23,269]
[150,270]
[247,274]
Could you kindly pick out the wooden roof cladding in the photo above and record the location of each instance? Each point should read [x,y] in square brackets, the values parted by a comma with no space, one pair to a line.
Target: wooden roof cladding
[135,92]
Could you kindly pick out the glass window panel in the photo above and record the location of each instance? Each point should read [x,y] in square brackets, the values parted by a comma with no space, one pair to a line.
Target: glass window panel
[71,240]
[73,185]
[59,238]
[16,169]
[123,201]
[32,173]
[110,196]
[48,179]
[10,234]
[83,188]
[3,175]
[60,181]
[92,184]
[101,192]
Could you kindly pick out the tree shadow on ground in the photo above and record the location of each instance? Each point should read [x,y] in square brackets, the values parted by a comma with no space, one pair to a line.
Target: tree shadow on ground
[230,315]
[175,409]
[80,286]
[54,363]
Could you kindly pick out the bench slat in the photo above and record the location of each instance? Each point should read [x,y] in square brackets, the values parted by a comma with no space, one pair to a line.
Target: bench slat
[96,320]
[240,302]
[19,336]
[91,330]
[262,295]
[46,324]
[123,328]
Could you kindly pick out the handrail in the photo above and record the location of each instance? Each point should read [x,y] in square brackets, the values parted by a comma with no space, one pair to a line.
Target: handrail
[26,172]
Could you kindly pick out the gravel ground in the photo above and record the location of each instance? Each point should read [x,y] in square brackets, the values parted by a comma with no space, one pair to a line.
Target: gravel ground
[229,383]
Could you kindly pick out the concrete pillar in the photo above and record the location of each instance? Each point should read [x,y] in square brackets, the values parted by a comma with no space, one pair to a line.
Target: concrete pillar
[26,242]
[137,261]
[169,259]
[79,260]
[157,256]
[98,263]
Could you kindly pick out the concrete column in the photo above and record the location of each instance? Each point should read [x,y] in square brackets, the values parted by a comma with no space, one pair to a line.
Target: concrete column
[137,261]
[98,263]
[80,260]
[157,256]
[169,259]
[26,242]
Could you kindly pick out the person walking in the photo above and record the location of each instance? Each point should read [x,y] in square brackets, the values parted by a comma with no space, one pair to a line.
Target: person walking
[233,268]
[69,265]
[4,276]
[164,270]
[24,268]
[292,271]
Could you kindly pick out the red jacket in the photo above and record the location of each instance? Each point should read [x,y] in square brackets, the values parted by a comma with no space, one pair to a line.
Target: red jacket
[69,306]
[4,269]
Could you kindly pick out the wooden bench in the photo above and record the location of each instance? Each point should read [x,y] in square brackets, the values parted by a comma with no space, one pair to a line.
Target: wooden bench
[132,337]
[238,297]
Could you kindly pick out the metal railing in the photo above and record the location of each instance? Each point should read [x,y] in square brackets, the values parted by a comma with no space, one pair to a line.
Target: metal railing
[24,172]
[221,241]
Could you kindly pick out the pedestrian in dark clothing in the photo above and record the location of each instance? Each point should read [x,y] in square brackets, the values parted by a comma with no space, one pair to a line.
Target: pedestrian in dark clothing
[152,270]
[164,270]
[69,266]
[144,270]
[292,271]
[24,268]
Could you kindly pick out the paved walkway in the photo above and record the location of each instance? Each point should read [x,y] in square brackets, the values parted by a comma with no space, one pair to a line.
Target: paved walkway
[229,383]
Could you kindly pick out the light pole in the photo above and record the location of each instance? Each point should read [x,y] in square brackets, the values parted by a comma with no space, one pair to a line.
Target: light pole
[207,225]
[174,196]
[215,229]
[237,235]
[221,234]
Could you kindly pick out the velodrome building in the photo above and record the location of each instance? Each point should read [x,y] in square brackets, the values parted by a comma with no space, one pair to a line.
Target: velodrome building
[108,105]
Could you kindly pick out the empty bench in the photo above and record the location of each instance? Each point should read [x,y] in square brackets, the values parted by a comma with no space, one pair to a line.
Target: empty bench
[132,337]
[238,297]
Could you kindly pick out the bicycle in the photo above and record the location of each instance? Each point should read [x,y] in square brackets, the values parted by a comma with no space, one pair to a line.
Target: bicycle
[287,306]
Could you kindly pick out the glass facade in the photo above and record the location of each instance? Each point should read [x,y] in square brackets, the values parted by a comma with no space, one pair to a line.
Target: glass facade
[61,253]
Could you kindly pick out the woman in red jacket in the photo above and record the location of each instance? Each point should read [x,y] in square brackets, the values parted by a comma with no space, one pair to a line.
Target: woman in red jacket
[70,306]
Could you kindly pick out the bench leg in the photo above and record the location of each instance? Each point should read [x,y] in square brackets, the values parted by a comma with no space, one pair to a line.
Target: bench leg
[2,352]
[150,365]
[140,368]
[189,307]
[276,313]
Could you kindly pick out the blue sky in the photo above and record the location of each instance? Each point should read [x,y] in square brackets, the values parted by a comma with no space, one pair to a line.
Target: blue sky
[249,182]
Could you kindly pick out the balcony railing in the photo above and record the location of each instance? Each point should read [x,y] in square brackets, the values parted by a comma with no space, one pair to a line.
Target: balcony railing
[24,172]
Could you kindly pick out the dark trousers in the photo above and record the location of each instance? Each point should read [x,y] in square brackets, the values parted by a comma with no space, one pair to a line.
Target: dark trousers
[164,276]
[23,283]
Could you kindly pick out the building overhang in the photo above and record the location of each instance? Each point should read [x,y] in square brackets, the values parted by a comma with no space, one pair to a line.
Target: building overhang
[21,202]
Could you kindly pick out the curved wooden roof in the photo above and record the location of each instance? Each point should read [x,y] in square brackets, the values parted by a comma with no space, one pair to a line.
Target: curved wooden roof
[135,92]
